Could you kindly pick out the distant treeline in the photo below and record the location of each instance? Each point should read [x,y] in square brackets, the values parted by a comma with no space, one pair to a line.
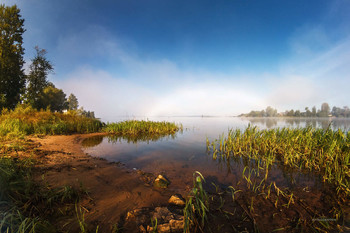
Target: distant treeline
[325,111]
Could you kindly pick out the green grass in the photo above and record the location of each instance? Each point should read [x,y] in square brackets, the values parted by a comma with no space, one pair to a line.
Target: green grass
[24,120]
[197,206]
[25,205]
[139,128]
[326,152]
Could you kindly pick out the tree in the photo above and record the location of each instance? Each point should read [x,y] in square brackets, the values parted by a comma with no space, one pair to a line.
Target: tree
[314,113]
[346,111]
[73,103]
[307,112]
[37,78]
[290,113]
[271,112]
[325,110]
[53,98]
[12,78]
[88,114]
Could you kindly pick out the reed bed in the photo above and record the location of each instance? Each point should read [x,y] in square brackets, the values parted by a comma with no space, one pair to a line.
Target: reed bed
[26,120]
[326,152]
[134,127]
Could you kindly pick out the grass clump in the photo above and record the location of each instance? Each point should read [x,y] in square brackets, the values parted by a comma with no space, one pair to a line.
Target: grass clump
[326,152]
[139,128]
[24,120]
[197,206]
[25,205]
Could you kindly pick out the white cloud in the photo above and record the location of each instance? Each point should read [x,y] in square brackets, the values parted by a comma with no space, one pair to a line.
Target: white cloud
[316,71]
[106,95]
[160,87]
[293,92]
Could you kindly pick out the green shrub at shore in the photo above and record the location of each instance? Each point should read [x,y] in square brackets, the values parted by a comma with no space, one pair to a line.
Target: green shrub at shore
[134,127]
[24,120]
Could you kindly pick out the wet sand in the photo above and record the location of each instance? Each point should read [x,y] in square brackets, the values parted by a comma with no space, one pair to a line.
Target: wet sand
[113,189]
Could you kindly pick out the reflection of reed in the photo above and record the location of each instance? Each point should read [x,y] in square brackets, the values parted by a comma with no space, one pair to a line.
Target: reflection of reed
[139,138]
[92,141]
[113,138]
[287,176]
[313,149]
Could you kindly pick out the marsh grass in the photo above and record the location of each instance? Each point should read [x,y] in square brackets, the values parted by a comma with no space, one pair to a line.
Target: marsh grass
[24,120]
[142,128]
[197,206]
[326,152]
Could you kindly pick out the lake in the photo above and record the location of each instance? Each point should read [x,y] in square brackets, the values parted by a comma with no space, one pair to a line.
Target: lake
[179,156]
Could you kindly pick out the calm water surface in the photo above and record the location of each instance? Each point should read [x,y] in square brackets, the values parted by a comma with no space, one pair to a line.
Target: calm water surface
[179,156]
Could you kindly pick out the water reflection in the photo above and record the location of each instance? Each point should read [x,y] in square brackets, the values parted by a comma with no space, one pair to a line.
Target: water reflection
[181,154]
[134,139]
[324,123]
[92,141]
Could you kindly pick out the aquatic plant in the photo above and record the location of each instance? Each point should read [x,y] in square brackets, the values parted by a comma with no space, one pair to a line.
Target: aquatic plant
[326,152]
[197,205]
[139,128]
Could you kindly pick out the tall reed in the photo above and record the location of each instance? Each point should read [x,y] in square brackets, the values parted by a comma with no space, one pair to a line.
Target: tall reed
[134,127]
[197,205]
[25,120]
[323,151]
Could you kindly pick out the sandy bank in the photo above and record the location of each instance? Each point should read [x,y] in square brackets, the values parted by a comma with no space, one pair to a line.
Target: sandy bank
[113,189]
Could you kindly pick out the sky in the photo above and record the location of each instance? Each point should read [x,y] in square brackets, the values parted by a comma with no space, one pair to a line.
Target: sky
[180,58]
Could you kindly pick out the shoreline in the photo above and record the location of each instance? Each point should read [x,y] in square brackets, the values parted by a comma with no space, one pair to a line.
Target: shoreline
[113,190]
[115,197]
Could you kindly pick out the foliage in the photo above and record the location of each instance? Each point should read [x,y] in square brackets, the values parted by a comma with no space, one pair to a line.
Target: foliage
[89,114]
[12,79]
[323,112]
[134,127]
[73,103]
[25,120]
[53,98]
[268,112]
[37,79]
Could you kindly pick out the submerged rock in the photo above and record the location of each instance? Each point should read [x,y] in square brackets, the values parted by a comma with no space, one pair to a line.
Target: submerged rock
[177,200]
[139,216]
[161,182]
[164,219]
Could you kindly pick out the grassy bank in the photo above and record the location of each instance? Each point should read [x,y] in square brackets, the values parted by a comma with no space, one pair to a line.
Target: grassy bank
[27,206]
[139,128]
[25,120]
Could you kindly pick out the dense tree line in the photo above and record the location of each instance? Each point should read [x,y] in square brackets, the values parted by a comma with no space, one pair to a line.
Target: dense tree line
[324,111]
[33,88]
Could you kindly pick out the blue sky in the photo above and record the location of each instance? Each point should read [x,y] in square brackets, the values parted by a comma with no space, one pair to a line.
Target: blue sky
[193,57]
